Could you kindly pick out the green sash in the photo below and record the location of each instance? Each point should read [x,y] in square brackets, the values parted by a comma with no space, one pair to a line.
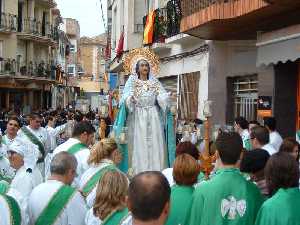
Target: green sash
[55,206]
[116,218]
[14,210]
[93,181]
[298,134]
[34,140]
[76,148]
[4,186]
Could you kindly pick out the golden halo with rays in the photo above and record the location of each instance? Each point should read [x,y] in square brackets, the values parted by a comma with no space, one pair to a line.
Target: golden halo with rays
[133,56]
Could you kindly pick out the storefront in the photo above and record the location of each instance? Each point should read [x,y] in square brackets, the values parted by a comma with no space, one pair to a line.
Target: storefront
[281,48]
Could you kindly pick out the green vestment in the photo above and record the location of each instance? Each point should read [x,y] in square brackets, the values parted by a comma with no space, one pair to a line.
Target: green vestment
[228,198]
[181,199]
[281,209]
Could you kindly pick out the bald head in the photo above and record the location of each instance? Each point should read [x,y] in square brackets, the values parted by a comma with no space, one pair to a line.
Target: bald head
[62,163]
[148,194]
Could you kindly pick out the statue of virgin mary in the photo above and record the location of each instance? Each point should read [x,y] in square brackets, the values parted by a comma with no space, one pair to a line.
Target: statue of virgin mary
[144,111]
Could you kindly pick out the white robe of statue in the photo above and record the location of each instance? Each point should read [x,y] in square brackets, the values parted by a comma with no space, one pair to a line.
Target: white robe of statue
[146,144]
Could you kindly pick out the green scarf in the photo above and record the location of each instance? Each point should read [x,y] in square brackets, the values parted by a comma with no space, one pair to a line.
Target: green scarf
[116,218]
[76,148]
[34,140]
[14,210]
[93,181]
[57,203]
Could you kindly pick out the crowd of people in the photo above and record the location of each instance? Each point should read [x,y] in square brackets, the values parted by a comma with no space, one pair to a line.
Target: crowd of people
[54,169]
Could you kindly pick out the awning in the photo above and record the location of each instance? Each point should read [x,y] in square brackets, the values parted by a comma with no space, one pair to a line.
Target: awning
[279,49]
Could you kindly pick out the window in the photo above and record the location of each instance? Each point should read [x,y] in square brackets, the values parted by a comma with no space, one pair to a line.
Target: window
[1,56]
[72,48]
[245,94]
[188,99]
[71,70]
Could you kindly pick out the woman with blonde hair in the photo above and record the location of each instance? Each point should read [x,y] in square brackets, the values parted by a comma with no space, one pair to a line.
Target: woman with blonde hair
[110,204]
[104,157]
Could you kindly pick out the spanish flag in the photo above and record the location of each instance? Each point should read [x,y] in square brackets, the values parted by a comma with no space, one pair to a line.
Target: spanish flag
[149,27]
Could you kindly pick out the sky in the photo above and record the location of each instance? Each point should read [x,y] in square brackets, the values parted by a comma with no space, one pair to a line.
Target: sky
[87,12]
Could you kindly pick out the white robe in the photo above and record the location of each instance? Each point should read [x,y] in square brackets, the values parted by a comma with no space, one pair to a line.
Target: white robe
[168,173]
[147,149]
[269,148]
[41,134]
[73,213]
[53,135]
[90,199]
[44,138]
[275,140]
[81,156]
[90,219]
[24,182]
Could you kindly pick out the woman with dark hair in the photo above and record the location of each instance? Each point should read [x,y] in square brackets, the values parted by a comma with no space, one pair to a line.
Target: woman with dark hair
[12,127]
[144,111]
[182,148]
[290,145]
[282,176]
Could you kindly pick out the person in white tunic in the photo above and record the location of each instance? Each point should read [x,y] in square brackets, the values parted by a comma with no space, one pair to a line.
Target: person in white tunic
[83,136]
[260,139]
[38,136]
[13,125]
[110,205]
[275,138]
[23,157]
[54,133]
[104,157]
[241,126]
[55,202]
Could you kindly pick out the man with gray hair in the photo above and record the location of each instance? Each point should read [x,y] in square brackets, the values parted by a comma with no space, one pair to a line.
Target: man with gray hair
[55,202]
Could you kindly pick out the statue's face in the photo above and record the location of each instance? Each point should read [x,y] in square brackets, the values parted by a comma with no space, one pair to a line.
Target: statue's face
[144,68]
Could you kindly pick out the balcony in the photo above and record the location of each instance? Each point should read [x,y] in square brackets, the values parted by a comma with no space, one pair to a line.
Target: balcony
[236,19]
[32,29]
[11,68]
[8,23]
[47,3]
[166,24]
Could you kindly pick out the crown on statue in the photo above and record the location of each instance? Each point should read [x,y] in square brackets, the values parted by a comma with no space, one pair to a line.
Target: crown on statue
[133,56]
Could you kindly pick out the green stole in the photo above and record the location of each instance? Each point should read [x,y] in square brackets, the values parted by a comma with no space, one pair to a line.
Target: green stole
[93,181]
[116,218]
[4,186]
[56,204]
[14,210]
[34,140]
[76,148]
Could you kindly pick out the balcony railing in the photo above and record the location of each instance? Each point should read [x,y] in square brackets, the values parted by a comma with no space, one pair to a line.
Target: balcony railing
[8,22]
[190,7]
[32,69]
[35,27]
[167,21]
